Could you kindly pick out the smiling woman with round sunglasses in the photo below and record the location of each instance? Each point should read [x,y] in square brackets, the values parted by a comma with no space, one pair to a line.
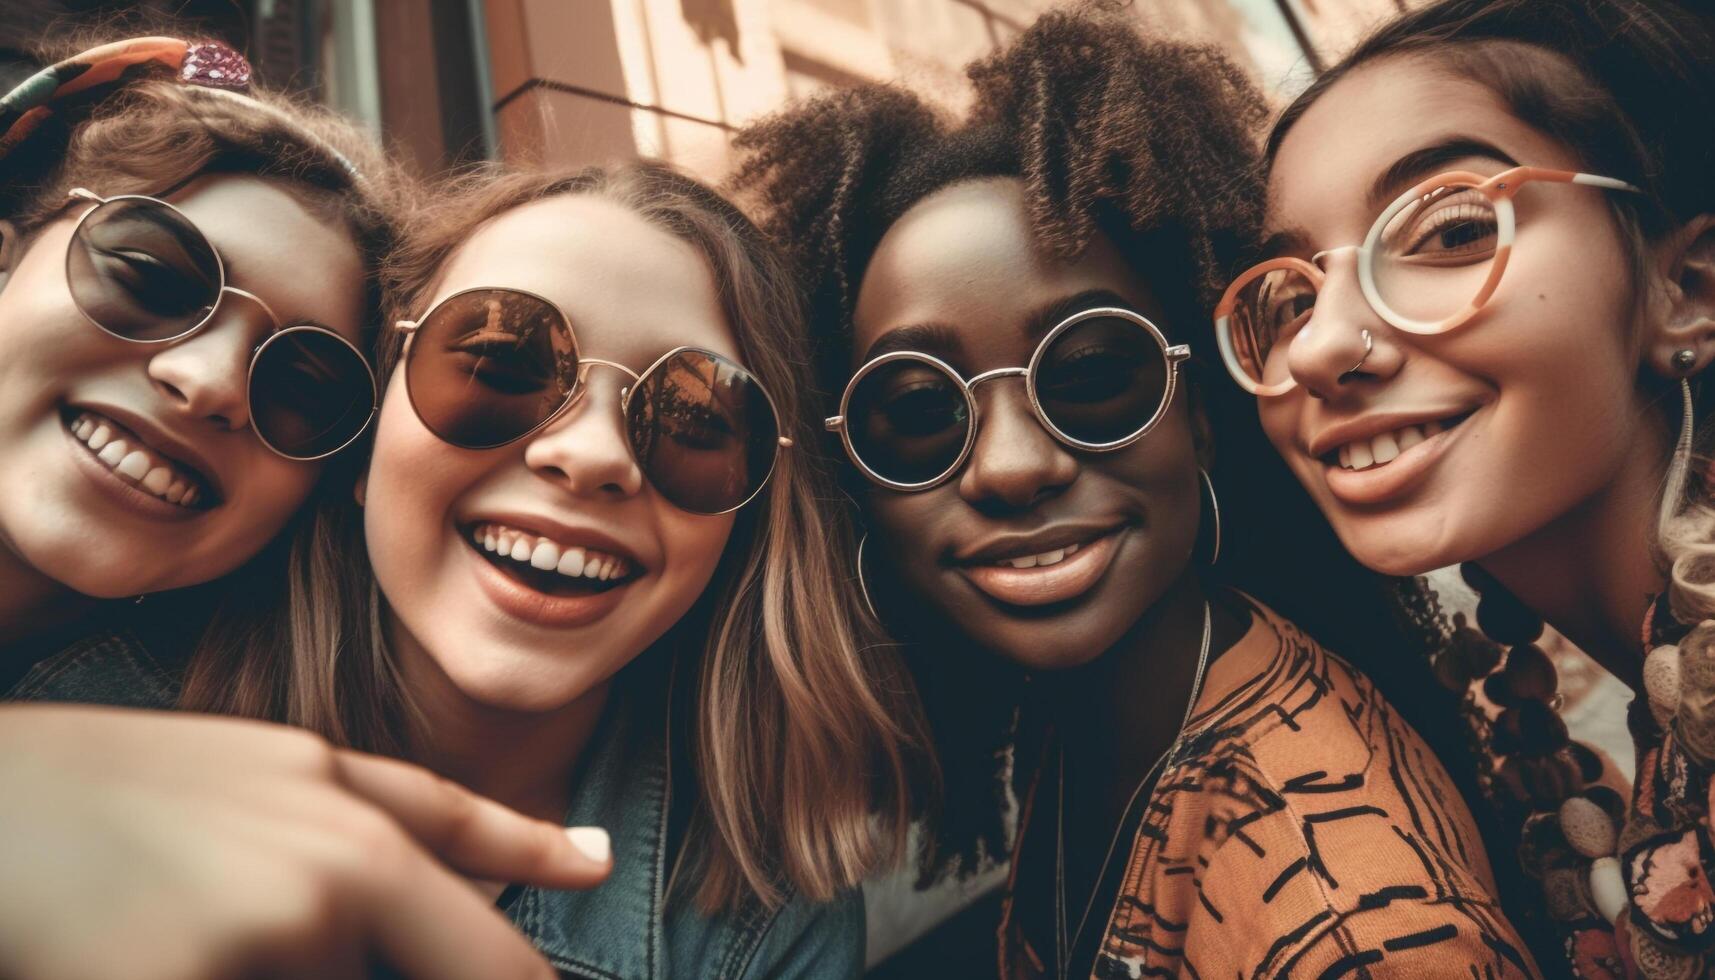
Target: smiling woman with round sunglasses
[168,403]
[599,586]
[1506,373]
[165,420]
[1012,325]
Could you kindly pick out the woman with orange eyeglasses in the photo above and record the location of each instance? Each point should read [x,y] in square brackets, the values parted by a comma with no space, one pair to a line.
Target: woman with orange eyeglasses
[1477,336]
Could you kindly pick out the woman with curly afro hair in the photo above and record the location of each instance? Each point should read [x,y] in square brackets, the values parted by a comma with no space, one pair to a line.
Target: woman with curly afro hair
[1095,565]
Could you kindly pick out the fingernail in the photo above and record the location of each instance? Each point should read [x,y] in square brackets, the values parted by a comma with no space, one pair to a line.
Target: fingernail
[490,890]
[593,842]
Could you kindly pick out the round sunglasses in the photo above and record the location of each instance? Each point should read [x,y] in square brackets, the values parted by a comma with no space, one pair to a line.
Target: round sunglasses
[141,271]
[1429,263]
[486,367]
[1098,381]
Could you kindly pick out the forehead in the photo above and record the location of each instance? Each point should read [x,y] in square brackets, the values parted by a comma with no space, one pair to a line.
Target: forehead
[965,257]
[302,262]
[632,290]
[1379,113]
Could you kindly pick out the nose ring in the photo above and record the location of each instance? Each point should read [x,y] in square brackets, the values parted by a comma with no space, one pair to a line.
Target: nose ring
[1369,345]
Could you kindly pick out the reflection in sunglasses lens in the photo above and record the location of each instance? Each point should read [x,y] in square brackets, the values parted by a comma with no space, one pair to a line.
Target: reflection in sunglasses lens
[1268,311]
[488,366]
[310,393]
[141,271]
[703,432]
[908,420]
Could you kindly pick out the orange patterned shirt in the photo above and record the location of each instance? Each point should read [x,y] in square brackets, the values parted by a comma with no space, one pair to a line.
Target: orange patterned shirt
[1300,828]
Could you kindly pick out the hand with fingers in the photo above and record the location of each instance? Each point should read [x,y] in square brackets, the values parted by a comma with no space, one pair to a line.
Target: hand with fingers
[148,844]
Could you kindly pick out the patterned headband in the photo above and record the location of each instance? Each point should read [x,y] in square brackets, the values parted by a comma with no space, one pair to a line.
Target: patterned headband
[86,78]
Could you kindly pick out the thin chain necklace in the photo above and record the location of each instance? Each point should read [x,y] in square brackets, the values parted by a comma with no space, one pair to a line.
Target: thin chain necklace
[1063,954]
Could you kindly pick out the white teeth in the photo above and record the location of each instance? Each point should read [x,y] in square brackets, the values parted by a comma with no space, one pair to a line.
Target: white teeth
[1387,447]
[135,465]
[547,555]
[134,462]
[1045,558]
[1361,457]
[572,562]
[158,480]
[1384,448]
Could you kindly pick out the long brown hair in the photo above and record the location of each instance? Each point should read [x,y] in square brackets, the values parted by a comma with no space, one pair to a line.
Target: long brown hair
[803,720]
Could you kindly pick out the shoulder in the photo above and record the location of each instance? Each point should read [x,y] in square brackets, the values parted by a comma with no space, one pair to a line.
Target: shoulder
[812,940]
[110,667]
[1334,832]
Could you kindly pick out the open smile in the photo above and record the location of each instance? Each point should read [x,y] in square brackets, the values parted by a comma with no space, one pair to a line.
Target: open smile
[1370,469]
[541,576]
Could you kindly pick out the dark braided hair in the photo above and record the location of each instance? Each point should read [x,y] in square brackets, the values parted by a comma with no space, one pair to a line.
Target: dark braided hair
[1152,144]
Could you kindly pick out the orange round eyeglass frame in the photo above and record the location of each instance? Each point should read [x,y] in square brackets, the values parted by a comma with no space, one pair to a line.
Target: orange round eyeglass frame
[1499,189]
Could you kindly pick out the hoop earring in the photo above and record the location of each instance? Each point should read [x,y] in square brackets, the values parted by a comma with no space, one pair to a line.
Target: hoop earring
[862,586]
[1215,507]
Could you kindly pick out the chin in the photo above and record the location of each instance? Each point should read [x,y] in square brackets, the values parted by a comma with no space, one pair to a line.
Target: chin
[510,681]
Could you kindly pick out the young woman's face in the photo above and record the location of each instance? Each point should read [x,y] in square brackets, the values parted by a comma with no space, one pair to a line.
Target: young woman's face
[65,508]
[506,634]
[1529,409]
[959,277]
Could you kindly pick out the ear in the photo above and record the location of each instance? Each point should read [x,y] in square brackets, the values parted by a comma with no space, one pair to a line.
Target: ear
[11,250]
[361,488]
[1683,304]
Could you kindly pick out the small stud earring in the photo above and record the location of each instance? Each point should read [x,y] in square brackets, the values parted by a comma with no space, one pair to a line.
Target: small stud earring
[1684,360]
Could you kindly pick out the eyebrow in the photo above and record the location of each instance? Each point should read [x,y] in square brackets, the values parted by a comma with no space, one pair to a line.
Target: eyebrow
[1420,163]
[1408,169]
[941,338]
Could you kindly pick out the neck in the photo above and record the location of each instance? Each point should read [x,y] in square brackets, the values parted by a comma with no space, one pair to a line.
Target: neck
[1591,573]
[32,603]
[524,759]
[1117,714]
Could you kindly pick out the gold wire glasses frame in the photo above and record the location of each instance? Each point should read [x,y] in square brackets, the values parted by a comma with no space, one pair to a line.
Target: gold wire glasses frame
[580,382]
[278,332]
[1172,353]
[1498,191]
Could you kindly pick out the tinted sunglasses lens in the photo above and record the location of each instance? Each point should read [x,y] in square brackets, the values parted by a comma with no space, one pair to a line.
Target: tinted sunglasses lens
[908,421]
[490,365]
[1102,379]
[141,271]
[310,393]
[703,431]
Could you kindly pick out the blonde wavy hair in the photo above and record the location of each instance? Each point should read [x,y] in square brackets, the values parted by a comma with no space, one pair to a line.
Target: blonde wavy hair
[805,727]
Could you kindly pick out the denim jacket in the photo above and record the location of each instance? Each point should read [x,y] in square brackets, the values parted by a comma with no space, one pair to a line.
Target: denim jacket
[629,928]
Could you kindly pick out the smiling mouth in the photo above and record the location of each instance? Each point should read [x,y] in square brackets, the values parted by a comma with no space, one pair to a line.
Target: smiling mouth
[547,566]
[128,457]
[1046,578]
[1374,452]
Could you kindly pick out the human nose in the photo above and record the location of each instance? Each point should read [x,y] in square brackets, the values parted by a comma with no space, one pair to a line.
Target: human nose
[207,375]
[1344,341]
[586,450]
[1015,462]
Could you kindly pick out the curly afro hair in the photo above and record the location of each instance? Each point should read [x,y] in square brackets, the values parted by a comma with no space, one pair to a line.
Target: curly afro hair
[1153,144]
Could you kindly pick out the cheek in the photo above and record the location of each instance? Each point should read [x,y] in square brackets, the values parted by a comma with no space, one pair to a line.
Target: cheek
[693,545]
[411,484]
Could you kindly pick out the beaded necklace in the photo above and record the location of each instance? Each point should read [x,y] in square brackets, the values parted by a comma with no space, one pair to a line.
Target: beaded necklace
[1627,887]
